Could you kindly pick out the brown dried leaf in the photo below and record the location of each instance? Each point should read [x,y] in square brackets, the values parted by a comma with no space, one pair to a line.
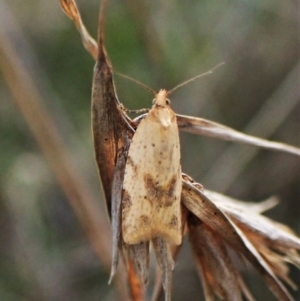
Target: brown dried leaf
[276,262]
[265,270]
[209,128]
[264,227]
[139,255]
[136,288]
[276,251]
[166,263]
[213,217]
[212,255]
[224,202]
[197,203]
[158,289]
[109,123]
[116,207]
[110,131]
[260,230]
[203,275]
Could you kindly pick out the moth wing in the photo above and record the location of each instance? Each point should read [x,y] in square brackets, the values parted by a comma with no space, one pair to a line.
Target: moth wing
[152,181]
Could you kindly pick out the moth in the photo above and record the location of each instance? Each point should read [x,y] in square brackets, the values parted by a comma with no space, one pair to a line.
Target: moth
[146,198]
[152,181]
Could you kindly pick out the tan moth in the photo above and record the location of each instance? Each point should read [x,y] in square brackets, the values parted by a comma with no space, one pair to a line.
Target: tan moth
[152,181]
[148,209]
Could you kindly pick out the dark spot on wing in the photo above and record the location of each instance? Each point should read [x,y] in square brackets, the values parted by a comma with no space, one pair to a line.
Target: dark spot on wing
[126,201]
[131,163]
[144,220]
[150,187]
[174,222]
[171,186]
[163,195]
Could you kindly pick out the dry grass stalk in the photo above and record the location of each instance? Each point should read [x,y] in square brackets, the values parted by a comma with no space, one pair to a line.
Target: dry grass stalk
[215,223]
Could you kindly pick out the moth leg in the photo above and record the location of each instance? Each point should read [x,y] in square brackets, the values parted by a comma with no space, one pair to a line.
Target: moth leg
[166,263]
[145,110]
[139,255]
[116,206]
[123,109]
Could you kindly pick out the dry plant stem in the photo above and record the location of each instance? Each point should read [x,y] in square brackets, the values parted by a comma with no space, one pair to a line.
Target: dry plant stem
[29,102]
[71,10]
[210,214]
[110,131]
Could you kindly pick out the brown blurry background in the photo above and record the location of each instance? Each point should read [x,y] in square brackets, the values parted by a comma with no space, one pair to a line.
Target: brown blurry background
[44,253]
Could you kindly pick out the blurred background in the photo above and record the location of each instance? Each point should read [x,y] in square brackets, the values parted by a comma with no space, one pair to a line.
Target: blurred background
[44,253]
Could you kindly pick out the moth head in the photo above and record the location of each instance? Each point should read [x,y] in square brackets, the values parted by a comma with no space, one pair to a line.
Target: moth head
[161,99]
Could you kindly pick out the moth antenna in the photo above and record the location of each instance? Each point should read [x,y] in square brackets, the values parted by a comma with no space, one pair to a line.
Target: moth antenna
[136,81]
[193,78]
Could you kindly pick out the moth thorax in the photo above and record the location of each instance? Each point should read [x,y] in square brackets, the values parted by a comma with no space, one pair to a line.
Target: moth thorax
[161,98]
